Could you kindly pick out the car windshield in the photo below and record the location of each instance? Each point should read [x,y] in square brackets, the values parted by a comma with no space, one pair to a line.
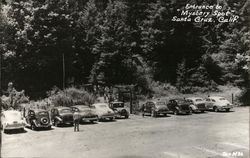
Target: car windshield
[65,111]
[43,113]
[181,101]
[198,99]
[118,105]
[160,104]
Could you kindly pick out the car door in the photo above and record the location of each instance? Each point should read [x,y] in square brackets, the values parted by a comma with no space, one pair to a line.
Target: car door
[148,107]
[171,105]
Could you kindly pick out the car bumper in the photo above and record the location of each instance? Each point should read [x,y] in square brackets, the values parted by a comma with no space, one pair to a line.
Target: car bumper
[107,116]
[14,126]
[89,119]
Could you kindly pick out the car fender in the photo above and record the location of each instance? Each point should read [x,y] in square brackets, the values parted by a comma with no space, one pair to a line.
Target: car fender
[193,107]
[58,118]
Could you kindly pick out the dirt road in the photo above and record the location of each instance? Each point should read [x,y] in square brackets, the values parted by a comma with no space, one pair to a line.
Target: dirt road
[213,135]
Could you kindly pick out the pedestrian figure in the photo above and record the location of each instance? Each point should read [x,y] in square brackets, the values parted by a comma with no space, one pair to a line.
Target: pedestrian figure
[76,118]
[143,110]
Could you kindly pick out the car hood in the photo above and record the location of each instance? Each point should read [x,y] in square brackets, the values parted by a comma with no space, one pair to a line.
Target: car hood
[223,103]
[199,102]
[162,107]
[66,114]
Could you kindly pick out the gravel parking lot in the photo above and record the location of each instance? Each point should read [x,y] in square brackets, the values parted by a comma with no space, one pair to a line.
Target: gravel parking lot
[205,135]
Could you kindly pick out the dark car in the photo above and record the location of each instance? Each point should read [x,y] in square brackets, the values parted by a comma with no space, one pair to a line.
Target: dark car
[87,114]
[119,109]
[61,116]
[179,106]
[155,108]
[38,118]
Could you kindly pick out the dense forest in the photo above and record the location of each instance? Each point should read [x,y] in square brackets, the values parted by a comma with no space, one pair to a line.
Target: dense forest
[114,42]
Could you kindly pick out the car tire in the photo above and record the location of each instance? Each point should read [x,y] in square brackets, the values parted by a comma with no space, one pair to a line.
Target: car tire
[190,112]
[165,115]
[153,114]
[49,128]
[227,110]
[33,127]
[202,111]
[111,118]
[56,124]
[126,116]
[215,109]
[176,112]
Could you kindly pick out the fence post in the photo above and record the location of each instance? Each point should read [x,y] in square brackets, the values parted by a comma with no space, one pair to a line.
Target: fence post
[232,98]
[131,101]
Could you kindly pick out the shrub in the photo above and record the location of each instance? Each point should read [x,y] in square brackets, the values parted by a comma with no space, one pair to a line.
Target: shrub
[70,96]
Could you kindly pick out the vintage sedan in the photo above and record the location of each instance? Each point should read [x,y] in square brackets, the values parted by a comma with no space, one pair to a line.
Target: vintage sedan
[197,104]
[119,109]
[87,113]
[61,116]
[103,111]
[12,120]
[155,108]
[218,104]
[179,106]
[38,118]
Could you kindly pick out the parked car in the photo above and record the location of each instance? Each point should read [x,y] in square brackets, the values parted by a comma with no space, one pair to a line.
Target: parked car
[61,116]
[38,118]
[103,111]
[119,109]
[196,104]
[218,104]
[155,108]
[178,106]
[12,120]
[87,113]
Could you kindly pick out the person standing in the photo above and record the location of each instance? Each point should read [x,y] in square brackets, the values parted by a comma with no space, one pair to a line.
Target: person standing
[76,118]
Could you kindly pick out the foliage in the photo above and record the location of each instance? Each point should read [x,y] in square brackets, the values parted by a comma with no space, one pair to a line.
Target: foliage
[120,42]
[70,96]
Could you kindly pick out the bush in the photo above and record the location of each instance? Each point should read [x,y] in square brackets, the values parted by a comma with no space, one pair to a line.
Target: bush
[70,96]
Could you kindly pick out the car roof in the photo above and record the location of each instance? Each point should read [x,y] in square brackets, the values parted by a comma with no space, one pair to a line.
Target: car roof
[61,107]
[100,104]
[116,102]
[215,97]
[80,106]
[39,110]
[193,98]
[10,111]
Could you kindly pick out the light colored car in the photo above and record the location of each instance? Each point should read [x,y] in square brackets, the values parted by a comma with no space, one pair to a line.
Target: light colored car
[103,111]
[218,104]
[197,104]
[86,112]
[12,119]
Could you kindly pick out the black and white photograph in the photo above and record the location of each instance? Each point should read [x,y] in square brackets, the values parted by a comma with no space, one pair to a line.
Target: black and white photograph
[124,79]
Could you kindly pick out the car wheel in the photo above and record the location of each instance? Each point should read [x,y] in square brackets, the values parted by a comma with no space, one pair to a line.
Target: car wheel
[5,131]
[190,112]
[215,109]
[202,111]
[111,118]
[33,127]
[176,112]
[56,123]
[49,127]
[227,110]
[126,116]
[153,114]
